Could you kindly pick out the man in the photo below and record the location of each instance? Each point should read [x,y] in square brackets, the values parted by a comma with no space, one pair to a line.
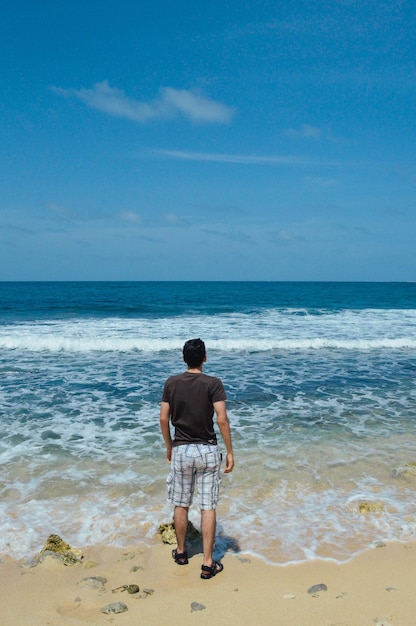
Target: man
[189,401]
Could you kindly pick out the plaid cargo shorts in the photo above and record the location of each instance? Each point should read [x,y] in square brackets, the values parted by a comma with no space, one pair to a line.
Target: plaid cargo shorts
[192,463]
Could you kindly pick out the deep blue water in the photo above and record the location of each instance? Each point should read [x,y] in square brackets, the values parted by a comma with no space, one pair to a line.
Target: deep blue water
[52,300]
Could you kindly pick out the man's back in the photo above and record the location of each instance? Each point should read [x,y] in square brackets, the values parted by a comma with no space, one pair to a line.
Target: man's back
[191,397]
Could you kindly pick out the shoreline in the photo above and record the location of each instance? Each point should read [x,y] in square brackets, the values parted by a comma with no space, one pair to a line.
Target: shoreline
[374,587]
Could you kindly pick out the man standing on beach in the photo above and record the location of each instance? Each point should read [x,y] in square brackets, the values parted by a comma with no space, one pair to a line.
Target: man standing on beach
[189,401]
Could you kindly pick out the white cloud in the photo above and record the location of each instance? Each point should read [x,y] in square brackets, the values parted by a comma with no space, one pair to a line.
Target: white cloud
[305,132]
[130,216]
[171,102]
[175,220]
[239,158]
[284,237]
[196,106]
[63,213]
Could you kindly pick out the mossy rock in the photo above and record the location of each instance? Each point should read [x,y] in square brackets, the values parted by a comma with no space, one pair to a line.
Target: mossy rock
[407,471]
[370,507]
[167,531]
[58,548]
[410,468]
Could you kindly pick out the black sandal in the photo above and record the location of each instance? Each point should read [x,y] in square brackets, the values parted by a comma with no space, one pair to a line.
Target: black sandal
[208,572]
[181,558]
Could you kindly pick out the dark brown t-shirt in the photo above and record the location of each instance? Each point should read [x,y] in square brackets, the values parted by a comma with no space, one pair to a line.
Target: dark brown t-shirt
[191,398]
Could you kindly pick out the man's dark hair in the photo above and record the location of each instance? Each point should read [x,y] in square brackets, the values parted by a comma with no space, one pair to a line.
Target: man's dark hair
[194,352]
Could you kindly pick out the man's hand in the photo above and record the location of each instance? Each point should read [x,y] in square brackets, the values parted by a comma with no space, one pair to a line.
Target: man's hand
[229,463]
[169,453]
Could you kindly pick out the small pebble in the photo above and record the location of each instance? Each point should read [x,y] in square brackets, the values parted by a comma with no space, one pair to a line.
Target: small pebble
[148,592]
[129,588]
[390,588]
[196,606]
[95,582]
[317,588]
[289,596]
[136,568]
[143,595]
[30,563]
[115,607]
[128,556]
[244,560]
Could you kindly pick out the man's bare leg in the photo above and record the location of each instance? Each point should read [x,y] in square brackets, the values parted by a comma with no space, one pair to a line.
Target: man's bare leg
[208,524]
[180,519]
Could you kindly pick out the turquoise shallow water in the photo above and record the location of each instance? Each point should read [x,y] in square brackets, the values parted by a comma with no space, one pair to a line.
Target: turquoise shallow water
[320,379]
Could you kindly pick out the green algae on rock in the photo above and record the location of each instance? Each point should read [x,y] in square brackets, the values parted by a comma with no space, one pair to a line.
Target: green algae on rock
[370,507]
[167,531]
[59,549]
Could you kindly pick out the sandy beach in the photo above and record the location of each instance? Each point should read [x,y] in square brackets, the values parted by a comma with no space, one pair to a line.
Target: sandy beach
[376,587]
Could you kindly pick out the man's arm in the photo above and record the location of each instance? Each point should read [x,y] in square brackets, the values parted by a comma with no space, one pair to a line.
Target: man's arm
[164,427]
[224,426]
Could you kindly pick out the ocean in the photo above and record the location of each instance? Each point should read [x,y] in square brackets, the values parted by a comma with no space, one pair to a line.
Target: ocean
[321,387]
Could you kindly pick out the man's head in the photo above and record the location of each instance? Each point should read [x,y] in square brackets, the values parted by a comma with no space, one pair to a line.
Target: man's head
[194,352]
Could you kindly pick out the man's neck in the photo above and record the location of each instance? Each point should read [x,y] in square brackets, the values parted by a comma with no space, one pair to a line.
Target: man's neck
[195,370]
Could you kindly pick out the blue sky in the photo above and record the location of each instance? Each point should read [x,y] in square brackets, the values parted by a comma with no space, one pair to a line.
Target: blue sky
[232,140]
